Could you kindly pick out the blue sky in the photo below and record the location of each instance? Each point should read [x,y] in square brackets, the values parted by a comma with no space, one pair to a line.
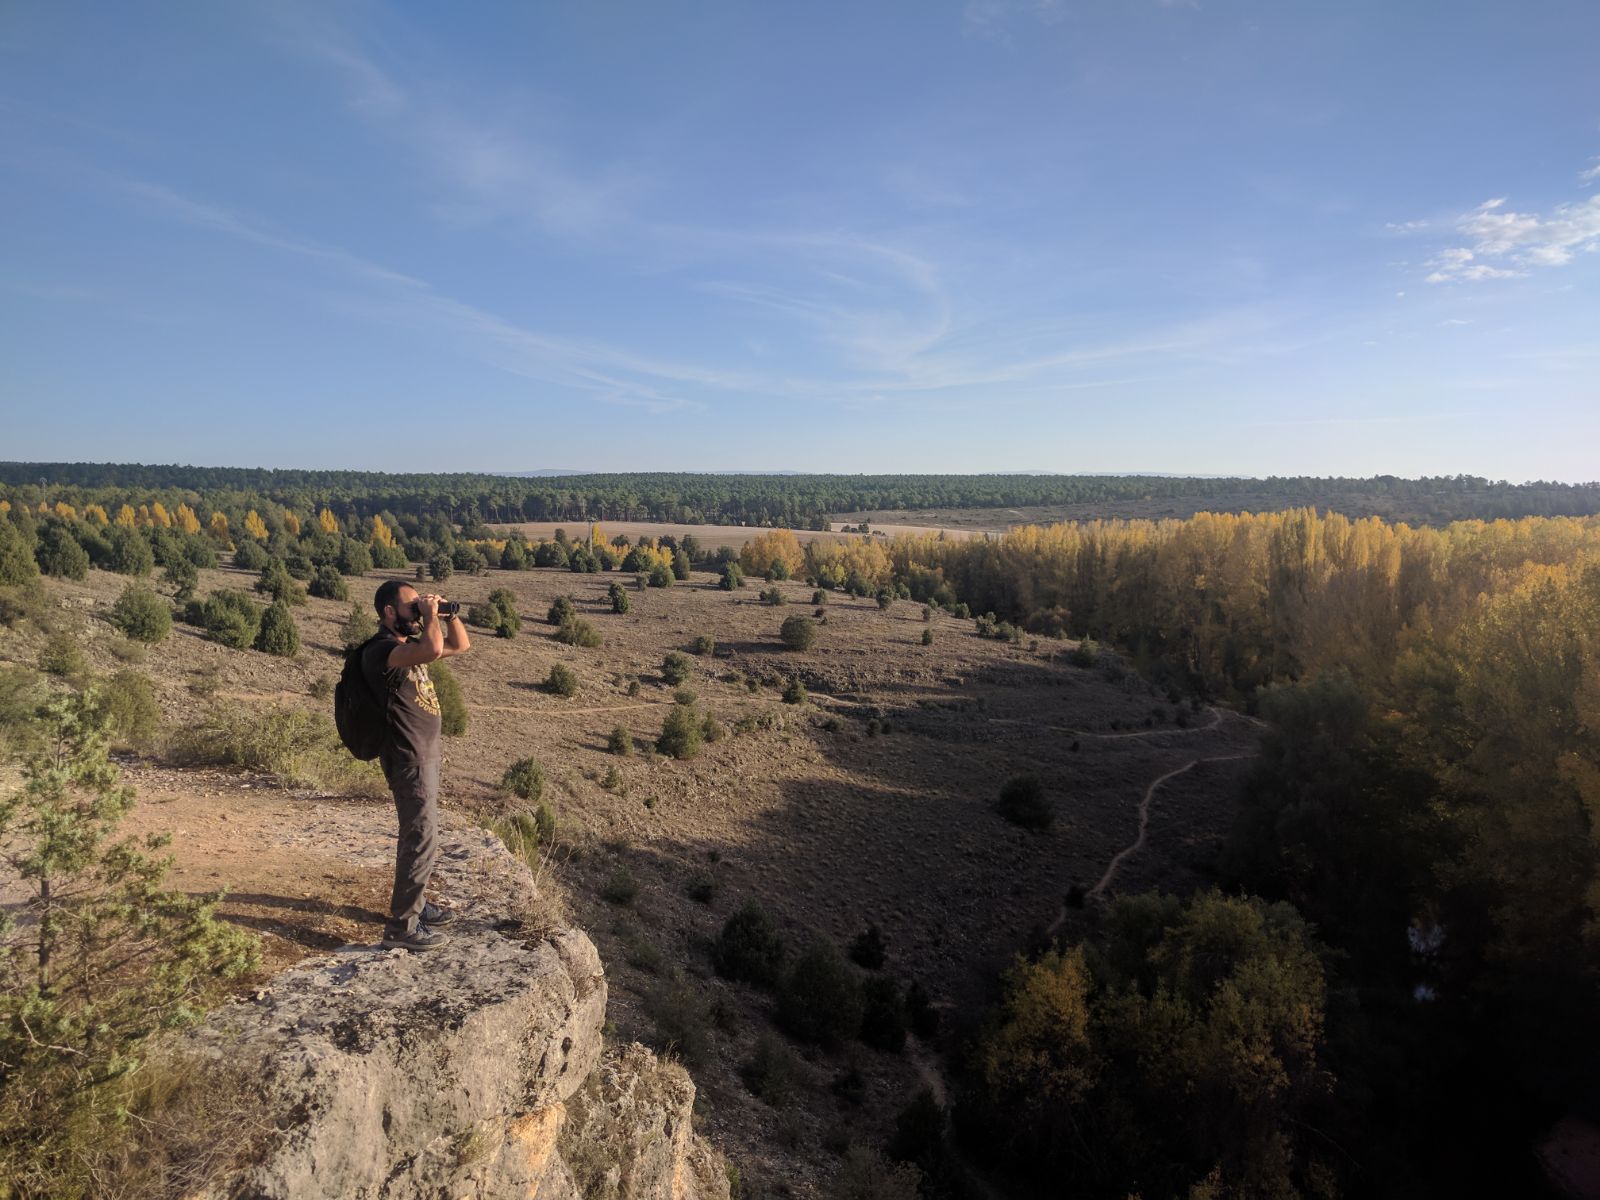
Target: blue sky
[1255,237]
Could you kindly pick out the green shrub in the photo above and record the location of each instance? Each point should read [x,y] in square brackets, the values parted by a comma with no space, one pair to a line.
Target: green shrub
[1085,654]
[452,707]
[126,705]
[618,598]
[361,624]
[681,1023]
[130,553]
[819,999]
[575,631]
[250,555]
[21,691]
[702,887]
[685,695]
[798,632]
[328,584]
[1022,802]
[772,596]
[711,729]
[778,570]
[819,597]
[868,949]
[704,644]
[676,668]
[503,605]
[680,564]
[275,581]
[620,742]
[794,692]
[523,832]
[732,577]
[771,1073]
[122,958]
[63,656]
[749,948]
[524,778]
[354,559]
[296,747]
[927,637]
[229,616]
[441,566]
[680,733]
[883,1015]
[278,634]
[141,615]
[18,564]
[867,1175]
[514,555]
[562,681]
[59,554]
[661,576]
[620,887]
[182,577]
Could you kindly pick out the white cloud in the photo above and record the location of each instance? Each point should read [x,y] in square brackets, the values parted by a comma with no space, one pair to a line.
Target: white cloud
[1505,244]
[1592,173]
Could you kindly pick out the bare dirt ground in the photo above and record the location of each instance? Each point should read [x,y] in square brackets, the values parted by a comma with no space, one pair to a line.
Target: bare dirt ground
[872,804]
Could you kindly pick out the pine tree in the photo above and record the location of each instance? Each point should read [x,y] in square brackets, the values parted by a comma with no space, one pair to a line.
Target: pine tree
[278,635]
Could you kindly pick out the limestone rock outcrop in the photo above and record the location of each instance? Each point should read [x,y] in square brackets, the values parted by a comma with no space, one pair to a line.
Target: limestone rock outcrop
[476,1070]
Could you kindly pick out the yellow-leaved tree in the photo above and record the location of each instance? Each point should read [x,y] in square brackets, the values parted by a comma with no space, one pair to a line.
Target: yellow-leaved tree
[329,522]
[218,528]
[93,512]
[160,515]
[184,518]
[381,533]
[780,545]
[291,522]
[255,526]
[126,517]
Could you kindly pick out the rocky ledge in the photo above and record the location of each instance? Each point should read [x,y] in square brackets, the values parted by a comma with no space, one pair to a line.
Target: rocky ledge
[474,1070]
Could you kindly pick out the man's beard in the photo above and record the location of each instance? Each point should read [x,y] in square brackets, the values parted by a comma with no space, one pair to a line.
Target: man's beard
[405,626]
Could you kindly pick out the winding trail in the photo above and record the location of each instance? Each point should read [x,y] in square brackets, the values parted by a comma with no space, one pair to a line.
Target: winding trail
[1099,888]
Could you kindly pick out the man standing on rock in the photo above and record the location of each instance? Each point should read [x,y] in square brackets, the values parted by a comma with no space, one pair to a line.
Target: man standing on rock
[413,634]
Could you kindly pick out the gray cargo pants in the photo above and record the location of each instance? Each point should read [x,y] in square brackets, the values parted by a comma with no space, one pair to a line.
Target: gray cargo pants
[416,800]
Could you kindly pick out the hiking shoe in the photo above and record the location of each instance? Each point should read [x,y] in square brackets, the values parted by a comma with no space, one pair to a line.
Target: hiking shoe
[434,916]
[419,938]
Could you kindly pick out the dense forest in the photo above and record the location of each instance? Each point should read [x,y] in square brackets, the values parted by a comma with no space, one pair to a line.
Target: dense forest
[795,501]
[1428,799]
[1392,990]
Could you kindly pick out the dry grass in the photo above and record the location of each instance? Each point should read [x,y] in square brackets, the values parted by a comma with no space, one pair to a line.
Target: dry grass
[192,1123]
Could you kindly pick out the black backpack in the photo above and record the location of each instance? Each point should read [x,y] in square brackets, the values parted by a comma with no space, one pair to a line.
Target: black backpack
[359,714]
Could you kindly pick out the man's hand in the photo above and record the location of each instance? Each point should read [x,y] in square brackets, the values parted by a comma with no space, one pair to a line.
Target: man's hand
[428,606]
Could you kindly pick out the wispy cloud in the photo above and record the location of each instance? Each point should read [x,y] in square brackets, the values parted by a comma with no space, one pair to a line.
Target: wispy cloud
[1504,244]
[1591,174]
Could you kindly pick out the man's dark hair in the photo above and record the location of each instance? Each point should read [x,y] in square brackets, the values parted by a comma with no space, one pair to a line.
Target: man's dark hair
[388,593]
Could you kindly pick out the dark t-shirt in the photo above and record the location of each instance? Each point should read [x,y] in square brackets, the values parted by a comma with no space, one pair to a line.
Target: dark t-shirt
[408,698]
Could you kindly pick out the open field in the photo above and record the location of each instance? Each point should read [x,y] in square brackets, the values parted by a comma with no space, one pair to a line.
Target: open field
[871,804]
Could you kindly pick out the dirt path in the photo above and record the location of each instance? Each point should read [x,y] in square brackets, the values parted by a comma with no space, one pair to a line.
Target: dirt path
[1099,888]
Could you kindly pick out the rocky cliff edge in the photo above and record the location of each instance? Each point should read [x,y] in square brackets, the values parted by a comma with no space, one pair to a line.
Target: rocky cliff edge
[477,1070]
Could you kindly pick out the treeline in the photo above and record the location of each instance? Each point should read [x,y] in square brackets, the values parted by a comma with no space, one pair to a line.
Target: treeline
[795,501]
